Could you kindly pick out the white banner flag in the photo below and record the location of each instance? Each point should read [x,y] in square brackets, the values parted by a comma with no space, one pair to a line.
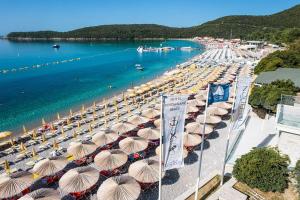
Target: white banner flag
[173,116]
[240,110]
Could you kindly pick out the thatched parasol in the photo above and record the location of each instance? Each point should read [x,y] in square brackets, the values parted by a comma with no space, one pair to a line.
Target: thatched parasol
[137,119]
[197,128]
[185,152]
[105,137]
[191,109]
[200,97]
[210,119]
[191,139]
[119,188]
[123,127]
[145,171]
[223,105]
[196,102]
[149,133]
[78,179]
[42,194]
[151,113]
[157,123]
[81,149]
[110,159]
[13,184]
[132,145]
[217,111]
[50,166]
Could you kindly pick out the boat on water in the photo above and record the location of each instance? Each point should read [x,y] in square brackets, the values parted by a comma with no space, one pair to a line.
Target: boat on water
[139,67]
[56,46]
[142,49]
[186,49]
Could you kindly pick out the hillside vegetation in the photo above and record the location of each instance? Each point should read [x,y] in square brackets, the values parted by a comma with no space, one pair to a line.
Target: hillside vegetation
[240,26]
[289,58]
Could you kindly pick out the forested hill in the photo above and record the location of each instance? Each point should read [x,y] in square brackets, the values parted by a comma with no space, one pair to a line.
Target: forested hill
[242,26]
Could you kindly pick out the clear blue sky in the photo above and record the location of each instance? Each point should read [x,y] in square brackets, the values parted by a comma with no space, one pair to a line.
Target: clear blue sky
[63,15]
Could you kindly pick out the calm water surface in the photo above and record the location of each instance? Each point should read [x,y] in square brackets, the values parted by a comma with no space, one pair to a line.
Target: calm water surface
[28,95]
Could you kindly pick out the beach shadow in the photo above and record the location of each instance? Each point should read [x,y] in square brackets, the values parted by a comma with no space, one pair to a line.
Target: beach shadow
[206,146]
[191,158]
[213,135]
[171,177]
[150,193]
[266,140]
[226,117]
[221,125]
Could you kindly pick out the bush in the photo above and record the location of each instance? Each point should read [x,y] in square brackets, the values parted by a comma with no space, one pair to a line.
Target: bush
[297,175]
[264,169]
[289,58]
[268,96]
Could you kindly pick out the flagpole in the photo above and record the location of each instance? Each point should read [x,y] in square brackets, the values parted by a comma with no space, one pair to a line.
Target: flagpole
[161,146]
[202,146]
[228,133]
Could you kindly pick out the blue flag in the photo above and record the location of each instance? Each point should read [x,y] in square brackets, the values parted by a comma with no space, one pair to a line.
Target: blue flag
[218,93]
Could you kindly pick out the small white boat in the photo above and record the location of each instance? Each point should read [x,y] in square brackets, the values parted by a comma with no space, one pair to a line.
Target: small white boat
[139,67]
[186,48]
[140,49]
[56,46]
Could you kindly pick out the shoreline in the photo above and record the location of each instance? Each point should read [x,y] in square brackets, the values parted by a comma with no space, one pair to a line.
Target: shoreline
[89,39]
[51,118]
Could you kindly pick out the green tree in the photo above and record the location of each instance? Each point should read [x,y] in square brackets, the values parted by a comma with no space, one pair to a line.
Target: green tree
[268,95]
[263,168]
[289,58]
[297,175]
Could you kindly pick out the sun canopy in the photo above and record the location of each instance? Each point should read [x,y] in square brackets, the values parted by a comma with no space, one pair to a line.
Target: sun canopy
[78,179]
[119,188]
[110,159]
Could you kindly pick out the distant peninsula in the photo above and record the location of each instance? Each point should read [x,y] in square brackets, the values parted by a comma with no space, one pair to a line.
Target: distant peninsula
[238,26]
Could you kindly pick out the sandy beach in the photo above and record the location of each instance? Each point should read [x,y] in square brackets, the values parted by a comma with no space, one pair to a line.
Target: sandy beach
[217,64]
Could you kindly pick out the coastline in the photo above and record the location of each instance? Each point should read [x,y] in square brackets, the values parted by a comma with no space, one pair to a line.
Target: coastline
[89,39]
[108,97]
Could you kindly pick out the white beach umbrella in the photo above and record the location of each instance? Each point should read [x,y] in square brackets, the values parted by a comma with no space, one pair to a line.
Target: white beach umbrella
[149,133]
[13,184]
[157,123]
[191,109]
[217,111]
[110,159]
[105,137]
[42,194]
[200,97]
[191,139]
[50,166]
[145,171]
[138,119]
[151,113]
[132,145]
[123,127]
[185,152]
[223,105]
[197,128]
[78,179]
[119,188]
[210,119]
[81,149]
[196,102]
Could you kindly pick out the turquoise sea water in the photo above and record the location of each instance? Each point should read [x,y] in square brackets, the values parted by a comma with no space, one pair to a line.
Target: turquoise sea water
[28,95]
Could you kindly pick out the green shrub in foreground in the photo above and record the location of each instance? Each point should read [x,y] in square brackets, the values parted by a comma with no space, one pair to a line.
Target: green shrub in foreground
[263,168]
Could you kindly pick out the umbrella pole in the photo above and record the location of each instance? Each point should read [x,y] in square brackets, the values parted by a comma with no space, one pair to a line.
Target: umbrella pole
[161,147]
[202,146]
[228,134]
